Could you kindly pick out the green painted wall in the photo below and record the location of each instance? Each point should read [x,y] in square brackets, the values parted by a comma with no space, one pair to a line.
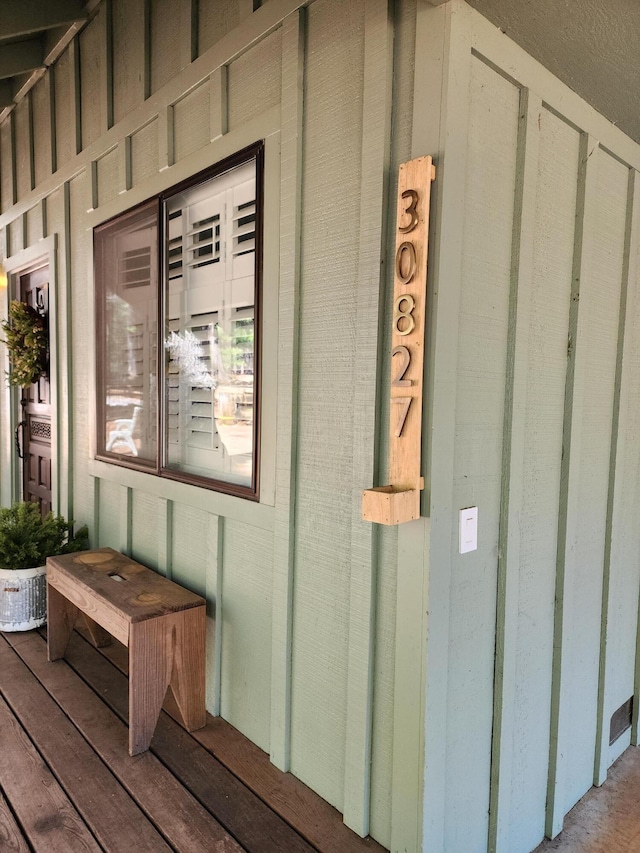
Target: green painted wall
[535,327]
[302,595]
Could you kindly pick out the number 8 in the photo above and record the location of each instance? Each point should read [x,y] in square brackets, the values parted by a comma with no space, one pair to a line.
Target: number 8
[406,314]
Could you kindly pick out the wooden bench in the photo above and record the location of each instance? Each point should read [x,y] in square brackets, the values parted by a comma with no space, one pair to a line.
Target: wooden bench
[162,624]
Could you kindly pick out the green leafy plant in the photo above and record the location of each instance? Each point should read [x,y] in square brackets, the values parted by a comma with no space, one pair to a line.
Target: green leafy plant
[27,539]
[27,341]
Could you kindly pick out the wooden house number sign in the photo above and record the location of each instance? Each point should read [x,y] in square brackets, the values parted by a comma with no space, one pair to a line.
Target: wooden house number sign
[400,500]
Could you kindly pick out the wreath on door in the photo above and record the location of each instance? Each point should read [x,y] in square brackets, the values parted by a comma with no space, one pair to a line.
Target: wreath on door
[27,340]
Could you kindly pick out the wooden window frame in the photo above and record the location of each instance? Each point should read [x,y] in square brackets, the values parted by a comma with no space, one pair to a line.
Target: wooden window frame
[256,153]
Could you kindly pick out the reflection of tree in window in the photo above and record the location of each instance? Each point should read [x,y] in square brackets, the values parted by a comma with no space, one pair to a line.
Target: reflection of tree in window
[123,342]
[186,351]
[237,347]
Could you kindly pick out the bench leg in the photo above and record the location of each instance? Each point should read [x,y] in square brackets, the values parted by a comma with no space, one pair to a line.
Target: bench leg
[61,617]
[149,676]
[99,637]
[188,674]
[163,652]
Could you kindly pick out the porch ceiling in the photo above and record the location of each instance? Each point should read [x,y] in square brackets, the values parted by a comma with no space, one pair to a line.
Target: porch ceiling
[591,45]
[32,36]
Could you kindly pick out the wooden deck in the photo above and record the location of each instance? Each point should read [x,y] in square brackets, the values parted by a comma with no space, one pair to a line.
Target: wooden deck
[68,784]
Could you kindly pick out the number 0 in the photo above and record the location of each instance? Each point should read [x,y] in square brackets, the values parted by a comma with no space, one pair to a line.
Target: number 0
[410,250]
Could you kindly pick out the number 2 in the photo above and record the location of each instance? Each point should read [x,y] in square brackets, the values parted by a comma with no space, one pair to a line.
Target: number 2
[406,361]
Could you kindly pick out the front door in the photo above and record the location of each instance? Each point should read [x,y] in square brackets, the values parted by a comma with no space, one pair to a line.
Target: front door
[34,442]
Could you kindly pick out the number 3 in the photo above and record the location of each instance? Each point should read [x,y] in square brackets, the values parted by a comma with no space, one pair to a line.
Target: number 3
[411,210]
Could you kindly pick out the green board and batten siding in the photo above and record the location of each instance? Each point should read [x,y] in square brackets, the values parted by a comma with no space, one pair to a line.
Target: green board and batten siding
[538,322]
[487,733]
[292,583]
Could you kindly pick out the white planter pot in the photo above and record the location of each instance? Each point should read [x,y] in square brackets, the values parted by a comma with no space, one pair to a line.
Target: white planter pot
[23,598]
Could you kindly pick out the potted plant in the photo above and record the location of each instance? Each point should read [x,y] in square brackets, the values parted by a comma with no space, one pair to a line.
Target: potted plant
[26,540]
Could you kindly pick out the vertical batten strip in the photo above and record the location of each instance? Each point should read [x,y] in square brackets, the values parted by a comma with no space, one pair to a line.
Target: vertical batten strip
[55,362]
[52,119]
[569,479]
[166,130]
[74,49]
[293,58]
[108,52]
[440,124]
[165,537]
[32,143]
[65,386]
[213,594]
[376,135]
[219,95]
[9,485]
[126,517]
[96,512]
[95,200]
[146,50]
[14,158]
[214,701]
[195,29]
[126,160]
[513,453]
[616,461]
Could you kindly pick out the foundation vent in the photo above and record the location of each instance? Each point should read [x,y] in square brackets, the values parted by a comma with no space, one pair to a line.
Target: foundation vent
[621,720]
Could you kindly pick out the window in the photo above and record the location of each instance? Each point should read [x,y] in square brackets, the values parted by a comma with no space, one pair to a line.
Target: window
[178,327]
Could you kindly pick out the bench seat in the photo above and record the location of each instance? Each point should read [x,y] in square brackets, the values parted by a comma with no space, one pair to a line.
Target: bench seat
[162,624]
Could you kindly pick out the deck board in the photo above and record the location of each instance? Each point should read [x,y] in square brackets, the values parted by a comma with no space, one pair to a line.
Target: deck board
[63,729]
[48,817]
[105,806]
[184,823]
[11,838]
[253,824]
[316,821]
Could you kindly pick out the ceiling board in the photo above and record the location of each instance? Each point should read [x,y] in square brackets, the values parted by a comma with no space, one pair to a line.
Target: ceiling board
[591,45]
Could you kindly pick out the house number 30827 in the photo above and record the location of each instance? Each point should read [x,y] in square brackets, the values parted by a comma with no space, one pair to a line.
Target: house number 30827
[400,499]
[404,304]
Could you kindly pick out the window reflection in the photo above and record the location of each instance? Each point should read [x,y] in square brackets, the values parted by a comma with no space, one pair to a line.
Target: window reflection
[126,252]
[209,327]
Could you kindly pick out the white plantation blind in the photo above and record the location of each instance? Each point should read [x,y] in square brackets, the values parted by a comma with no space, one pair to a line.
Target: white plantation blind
[190,412]
[209,310]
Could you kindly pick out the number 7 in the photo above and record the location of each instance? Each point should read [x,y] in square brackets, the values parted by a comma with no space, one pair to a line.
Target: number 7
[406,402]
